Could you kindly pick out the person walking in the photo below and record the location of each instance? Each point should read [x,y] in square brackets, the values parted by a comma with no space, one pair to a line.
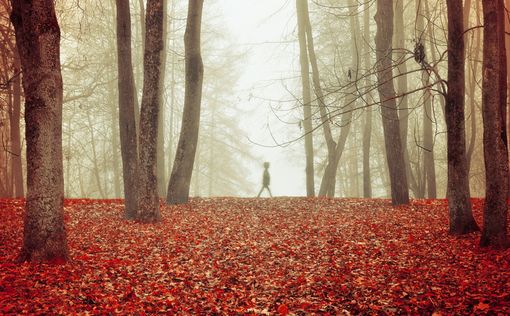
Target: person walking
[266,180]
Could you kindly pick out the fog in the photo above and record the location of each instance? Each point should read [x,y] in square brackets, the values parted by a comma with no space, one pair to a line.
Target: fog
[252,101]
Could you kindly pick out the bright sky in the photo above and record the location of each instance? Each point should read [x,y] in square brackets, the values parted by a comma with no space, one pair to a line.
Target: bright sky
[265,29]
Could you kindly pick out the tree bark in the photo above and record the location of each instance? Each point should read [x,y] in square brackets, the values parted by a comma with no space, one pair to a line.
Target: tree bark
[127,121]
[302,8]
[391,127]
[459,205]
[179,184]
[494,93]
[161,170]
[38,41]
[148,198]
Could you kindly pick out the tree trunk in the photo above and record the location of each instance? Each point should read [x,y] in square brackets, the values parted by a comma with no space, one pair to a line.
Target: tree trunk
[148,198]
[367,126]
[325,120]
[179,184]
[494,233]
[17,168]
[429,167]
[38,42]
[507,46]
[391,127]
[127,122]
[459,205]
[302,8]
[97,176]
[114,138]
[402,88]
[472,84]
[329,179]
[161,170]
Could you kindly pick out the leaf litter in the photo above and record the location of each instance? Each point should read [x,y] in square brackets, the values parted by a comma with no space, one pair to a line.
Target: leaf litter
[282,256]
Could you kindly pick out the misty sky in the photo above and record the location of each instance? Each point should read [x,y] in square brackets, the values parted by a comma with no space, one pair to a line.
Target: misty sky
[263,29]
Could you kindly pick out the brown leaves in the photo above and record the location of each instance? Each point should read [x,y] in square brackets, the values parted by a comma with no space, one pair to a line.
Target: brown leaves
[258,256]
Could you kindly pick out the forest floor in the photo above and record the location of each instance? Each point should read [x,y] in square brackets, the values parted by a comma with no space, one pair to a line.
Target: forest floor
[282,256]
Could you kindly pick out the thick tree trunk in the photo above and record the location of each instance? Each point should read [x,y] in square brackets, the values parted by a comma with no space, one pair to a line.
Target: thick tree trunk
[495,220]
[17,168]
[367,126]
[148,198]
[161,170]
[127,122]
[391,127]
[179,184]
[507,46]
[302,8]
[38,41]
[459,205]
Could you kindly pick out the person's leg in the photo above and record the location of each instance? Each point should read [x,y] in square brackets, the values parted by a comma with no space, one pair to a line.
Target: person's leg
[260,192]
[268,189]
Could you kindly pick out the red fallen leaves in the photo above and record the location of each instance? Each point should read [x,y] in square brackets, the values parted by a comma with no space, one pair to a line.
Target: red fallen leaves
[285,256]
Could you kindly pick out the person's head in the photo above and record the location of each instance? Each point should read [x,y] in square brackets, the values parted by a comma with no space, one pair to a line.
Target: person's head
[266,165]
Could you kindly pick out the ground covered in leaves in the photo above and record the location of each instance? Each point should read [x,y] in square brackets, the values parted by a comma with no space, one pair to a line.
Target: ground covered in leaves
[287,256]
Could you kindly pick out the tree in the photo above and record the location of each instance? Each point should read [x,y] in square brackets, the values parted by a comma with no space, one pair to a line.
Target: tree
[402,89]
[391,127]
[304,17]
[161,169]
[148,197]
[127,122]
[494,94]
[329,180]
[459,205]
[302,9]
[429,167]
[178,186]
[367,125]
[38,41]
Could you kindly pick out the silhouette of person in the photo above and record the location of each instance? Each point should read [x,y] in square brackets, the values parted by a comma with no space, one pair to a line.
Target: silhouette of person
[266,180]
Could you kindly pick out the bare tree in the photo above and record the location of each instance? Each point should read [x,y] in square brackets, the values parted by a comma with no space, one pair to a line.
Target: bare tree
[429,167]
[494,94]
[148,197]
[391,127]
[38,41]
[329,180]
[302,9]
[127,122]
[402,89]
[367,128]
[178,186]
[459,205]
